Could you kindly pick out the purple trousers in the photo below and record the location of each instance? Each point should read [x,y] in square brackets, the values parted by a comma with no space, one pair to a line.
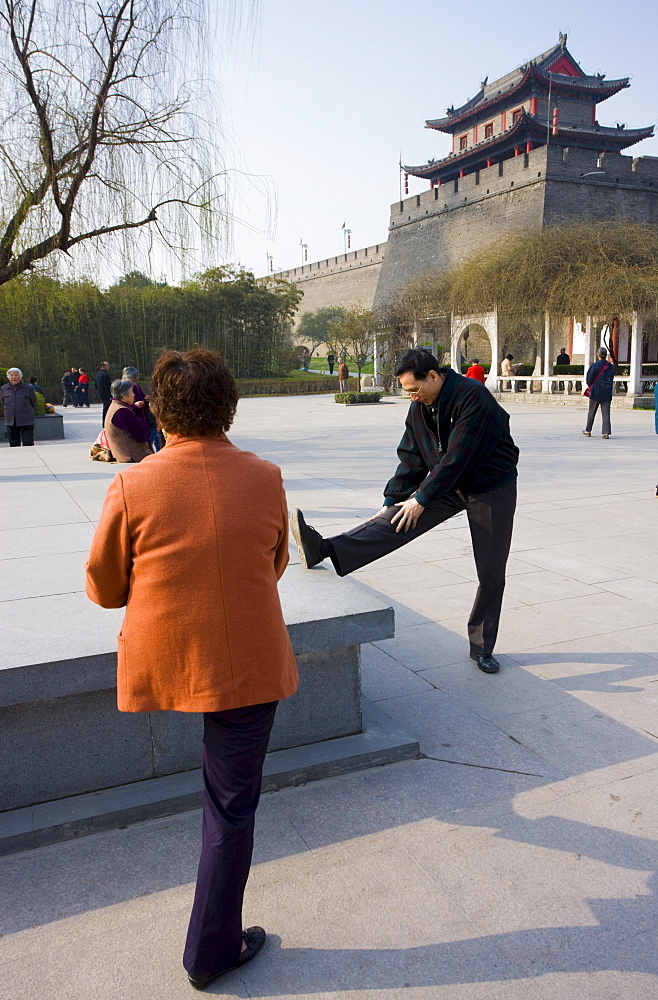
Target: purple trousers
[234,747]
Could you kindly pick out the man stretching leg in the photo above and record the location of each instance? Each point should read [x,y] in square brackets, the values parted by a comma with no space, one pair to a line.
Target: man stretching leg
[456,454]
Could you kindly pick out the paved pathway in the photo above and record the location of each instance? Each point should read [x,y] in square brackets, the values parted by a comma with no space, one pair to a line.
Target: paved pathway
[516,860]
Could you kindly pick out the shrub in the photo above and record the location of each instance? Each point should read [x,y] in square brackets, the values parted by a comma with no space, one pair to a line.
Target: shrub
[285,386]
[568,369]
[357,397]
[525,370]
[40,408]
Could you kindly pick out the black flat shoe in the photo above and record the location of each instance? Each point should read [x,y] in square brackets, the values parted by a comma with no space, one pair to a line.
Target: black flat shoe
[488,663]
[309,541]
[254,938]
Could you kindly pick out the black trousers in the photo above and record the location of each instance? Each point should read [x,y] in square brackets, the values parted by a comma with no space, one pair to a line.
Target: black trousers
[605,415]
[490,519]
[106,405]
[234,747]
[20,435]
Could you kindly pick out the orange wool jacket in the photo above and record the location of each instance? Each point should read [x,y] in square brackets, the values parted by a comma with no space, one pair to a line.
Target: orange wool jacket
[192,542]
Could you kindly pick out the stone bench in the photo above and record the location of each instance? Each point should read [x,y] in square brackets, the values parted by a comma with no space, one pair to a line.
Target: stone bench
[62,737]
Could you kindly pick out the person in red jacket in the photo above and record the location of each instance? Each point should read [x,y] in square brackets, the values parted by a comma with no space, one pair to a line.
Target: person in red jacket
[476,371]
[83,388]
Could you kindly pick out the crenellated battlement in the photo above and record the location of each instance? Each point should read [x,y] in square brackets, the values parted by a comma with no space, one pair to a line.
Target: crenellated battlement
[583,166]
[353,259]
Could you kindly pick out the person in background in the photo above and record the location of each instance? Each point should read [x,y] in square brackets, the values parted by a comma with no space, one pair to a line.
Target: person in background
[600,379]
[19,401]
[141,403]
[343,375]
[506,367]
[196,569]
[476,371]
[127,434]
[75,378]
[331,361]
[103,383]
[563,358]
[67,388]
[83,388]
[35,385]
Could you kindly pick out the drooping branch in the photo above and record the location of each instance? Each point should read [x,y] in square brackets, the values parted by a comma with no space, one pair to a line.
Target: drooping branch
[100,102]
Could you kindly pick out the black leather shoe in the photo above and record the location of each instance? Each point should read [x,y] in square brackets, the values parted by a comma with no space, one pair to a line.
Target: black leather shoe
[254,938]
[309,541]
[488,663]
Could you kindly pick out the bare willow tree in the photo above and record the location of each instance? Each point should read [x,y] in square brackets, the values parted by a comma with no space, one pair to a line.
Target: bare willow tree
[104,128]
[353,336]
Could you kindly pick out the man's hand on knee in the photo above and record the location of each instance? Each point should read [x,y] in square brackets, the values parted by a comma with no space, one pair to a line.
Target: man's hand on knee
[380,513]
[407,515]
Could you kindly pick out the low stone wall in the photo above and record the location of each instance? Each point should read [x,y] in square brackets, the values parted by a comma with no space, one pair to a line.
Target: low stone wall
[48,428]
[62,735]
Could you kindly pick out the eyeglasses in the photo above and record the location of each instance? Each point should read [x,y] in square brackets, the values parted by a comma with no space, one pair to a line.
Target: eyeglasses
[413,393]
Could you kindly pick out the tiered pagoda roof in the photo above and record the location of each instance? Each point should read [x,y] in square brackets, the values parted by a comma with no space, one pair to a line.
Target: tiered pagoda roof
[555,68]
[529,95]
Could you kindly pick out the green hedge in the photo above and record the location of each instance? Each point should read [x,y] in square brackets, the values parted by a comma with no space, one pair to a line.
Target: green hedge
[357,397]
[568,369]
[647,370]
[285,386]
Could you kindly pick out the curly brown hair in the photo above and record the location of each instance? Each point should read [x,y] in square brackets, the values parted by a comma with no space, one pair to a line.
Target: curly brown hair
[193,393]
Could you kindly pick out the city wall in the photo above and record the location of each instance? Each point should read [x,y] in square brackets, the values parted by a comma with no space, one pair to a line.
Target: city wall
[348,280]
[440,228]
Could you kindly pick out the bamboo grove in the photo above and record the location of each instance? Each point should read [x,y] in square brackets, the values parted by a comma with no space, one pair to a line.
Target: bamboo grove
[47,325]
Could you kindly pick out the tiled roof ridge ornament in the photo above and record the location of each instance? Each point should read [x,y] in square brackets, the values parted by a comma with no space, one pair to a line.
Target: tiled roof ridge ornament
[562,37]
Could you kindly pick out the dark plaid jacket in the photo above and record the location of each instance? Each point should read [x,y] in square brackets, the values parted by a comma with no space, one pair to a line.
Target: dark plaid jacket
[463,444]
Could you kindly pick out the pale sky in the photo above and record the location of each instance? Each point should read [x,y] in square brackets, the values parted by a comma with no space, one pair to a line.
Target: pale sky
[324,97]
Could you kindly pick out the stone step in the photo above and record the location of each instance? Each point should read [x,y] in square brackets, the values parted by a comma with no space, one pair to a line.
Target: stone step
[380,742]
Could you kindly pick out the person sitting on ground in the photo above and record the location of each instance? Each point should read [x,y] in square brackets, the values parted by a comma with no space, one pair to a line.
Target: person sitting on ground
[562,358]
[35,385]
[476,371]
[127,435]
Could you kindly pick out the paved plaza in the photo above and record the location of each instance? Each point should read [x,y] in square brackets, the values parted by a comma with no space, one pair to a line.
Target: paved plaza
[515,860]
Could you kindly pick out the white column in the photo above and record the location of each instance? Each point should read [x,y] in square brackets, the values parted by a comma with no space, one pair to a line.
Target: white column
[492,329]
[548,352]
[635,381]
[590,352]
[454,343]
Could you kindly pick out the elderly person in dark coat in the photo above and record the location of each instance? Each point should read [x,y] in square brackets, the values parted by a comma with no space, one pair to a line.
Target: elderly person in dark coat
[19,401]
[601,380]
